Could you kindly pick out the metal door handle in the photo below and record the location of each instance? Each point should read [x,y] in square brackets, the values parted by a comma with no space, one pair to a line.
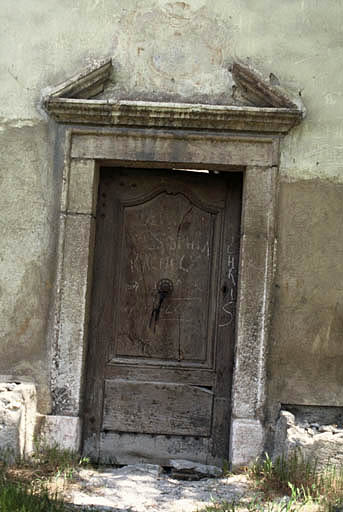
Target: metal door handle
[164,287]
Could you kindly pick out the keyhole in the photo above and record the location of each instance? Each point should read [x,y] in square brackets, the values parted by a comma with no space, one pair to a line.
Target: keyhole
[165,286]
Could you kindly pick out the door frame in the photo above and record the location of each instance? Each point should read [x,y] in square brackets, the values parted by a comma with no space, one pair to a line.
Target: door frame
[87,148]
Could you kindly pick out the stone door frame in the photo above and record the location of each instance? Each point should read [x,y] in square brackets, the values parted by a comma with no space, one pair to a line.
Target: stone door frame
[86,149]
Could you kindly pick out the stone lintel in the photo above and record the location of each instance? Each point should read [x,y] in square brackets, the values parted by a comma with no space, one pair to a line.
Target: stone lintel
[175,147]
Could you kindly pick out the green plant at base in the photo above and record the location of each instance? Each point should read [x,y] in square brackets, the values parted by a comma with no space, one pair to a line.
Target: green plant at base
[20,497]
[61,462]
[301,479]
[24,483]
[297,479]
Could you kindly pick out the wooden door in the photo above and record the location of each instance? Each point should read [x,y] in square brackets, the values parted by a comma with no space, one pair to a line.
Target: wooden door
[161,333]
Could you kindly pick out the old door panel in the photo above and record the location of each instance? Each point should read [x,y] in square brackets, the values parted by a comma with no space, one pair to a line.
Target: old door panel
[166,237]
[158,386]
[121,448]
[154,373]
[157,408]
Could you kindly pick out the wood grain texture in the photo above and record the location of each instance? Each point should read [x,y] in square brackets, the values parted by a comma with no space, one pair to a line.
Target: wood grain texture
[169,377]
[158,449]
[157,408]
[166,237]
[161,373]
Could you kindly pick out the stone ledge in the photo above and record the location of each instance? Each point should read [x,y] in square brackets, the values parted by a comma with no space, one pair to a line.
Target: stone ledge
[172,115]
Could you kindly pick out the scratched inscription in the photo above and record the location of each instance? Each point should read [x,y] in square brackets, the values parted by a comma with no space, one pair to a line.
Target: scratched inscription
[230,279]
[167,237]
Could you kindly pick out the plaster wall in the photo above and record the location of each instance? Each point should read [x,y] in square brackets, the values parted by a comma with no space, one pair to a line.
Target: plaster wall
[180,51]
[306,349]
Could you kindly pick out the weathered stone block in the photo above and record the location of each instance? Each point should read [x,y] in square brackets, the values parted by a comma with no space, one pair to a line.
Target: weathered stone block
[189,470]
[82,186]
[61,431]
[73,319]
[247,440]
[320,443]
[260,190]
[17,419]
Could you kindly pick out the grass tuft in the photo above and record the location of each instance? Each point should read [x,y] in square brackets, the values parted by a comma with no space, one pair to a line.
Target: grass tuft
[25,486]
[290,484]
[300,479]
[23,497]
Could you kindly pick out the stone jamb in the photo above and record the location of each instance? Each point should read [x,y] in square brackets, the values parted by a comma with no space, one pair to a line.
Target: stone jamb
[258,157]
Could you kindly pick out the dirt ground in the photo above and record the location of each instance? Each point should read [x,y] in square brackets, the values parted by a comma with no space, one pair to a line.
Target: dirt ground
[147,488]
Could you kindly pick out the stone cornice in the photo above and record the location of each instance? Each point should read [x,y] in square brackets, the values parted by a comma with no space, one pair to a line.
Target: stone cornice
[172,115]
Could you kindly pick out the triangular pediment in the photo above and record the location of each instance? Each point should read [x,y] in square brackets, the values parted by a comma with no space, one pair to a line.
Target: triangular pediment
[86,84]
[258,92]
[253,105]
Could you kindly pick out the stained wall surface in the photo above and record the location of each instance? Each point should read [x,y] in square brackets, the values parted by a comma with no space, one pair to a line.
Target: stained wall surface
[166,50]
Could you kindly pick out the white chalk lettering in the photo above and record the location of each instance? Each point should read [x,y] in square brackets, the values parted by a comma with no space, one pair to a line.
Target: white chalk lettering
[229,317]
